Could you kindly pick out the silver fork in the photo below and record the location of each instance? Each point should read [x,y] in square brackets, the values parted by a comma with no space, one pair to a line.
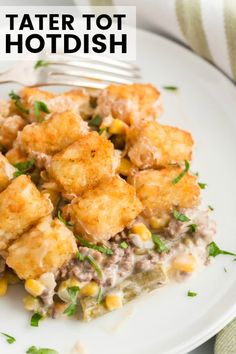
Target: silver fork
[89,72]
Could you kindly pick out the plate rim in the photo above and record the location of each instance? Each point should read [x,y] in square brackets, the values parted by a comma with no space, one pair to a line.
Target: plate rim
[227,317]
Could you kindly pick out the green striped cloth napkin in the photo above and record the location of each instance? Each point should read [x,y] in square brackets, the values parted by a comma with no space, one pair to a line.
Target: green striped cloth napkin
[208,27]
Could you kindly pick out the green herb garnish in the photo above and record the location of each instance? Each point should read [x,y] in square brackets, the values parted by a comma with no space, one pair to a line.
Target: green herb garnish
[202,185]
[214,250]
[191,294]
[71,310]
[80,256]
[170,88]
[159,245]
[225,270]
[182,174]
[9,338]
[17,99]
[73,292]
[180,217]
[39,107]
[99,296]
[40,64]
[23,167]
[101,131]
[210,207]
[34,322]
[34,350]
[95,265]
[60,217]
[101,249]
[95,122]
[193,228]
[124,245]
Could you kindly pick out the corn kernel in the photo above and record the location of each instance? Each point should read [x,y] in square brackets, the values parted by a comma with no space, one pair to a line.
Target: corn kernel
[117,127]
[12,278]
[62,290]
[124,167]
[3,286]
[113,302]
[142,231]
[34,287]
[158,223]
[90,289]
[185,263]
[31,303]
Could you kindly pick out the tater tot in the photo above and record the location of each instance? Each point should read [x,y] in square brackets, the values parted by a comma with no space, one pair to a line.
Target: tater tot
[76,101]
[102,212]
[15,155]
[52,135]
[130,103]
[6,172]
[84,164]
[159,195]
[155,145]
[4,108]
[44,248]
[9,128]
[21,205]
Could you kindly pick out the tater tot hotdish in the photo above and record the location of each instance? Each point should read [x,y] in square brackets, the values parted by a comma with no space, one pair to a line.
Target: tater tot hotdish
[98,203]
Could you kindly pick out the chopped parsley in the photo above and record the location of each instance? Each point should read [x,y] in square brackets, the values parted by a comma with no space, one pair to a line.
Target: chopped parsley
[102,130]
[17,99]
[73,292]
[91,261]
[214,250]
[34,322]
[99,296]
[40,64]
[95,265]
[9,338]
[180,217]
[80,256]
[225,270]
[170,88]
[34,350]
[101,249]
[71,310]
[40,107]
[193,228]
[23,167]
[60,217]
[191,294]
[210,207]
[95,121]
[182,174]
[159,245]
[202,185]
[124,245]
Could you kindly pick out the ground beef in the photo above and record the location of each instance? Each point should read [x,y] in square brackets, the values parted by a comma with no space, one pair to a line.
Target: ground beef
[124,262]
[206,228]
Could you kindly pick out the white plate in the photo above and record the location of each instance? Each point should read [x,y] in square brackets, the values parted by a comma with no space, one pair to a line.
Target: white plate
[166,321]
